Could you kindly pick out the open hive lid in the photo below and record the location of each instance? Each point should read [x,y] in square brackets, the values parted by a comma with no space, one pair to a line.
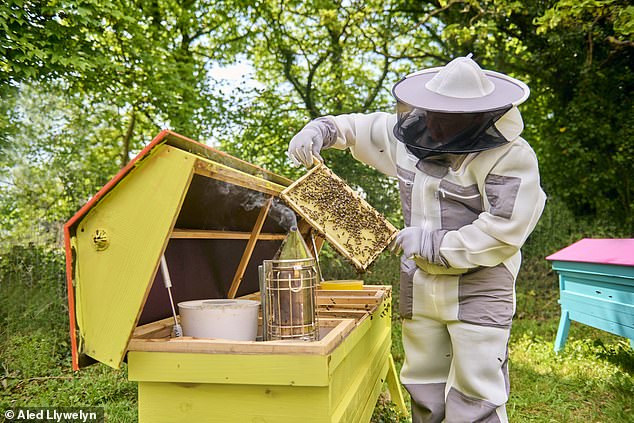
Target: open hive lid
[351,225]
[213,216]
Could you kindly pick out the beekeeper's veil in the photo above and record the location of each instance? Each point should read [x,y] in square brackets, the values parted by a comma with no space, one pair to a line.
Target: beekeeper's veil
[454,108]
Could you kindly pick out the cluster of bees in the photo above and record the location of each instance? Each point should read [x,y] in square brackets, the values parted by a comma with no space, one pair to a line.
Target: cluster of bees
[338,211]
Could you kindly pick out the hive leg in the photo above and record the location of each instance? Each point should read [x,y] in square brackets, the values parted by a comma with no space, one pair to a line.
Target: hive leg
[394,387]
[562,332]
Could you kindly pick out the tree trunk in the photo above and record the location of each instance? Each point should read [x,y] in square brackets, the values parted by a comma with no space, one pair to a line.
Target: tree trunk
[126,140]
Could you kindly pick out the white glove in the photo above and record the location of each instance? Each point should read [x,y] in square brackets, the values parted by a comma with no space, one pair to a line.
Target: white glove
[307,144]
[414,241]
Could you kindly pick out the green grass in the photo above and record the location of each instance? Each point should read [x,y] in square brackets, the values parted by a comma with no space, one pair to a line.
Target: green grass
[591,380]
[35,361]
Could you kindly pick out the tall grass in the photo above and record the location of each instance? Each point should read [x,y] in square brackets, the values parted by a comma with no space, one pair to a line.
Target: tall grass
[35,356]
[591,380]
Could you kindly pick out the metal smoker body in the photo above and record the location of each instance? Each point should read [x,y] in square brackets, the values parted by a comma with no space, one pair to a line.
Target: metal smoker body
[289,299]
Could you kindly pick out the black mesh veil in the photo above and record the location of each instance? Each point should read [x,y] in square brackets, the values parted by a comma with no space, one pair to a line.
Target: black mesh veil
[428,133]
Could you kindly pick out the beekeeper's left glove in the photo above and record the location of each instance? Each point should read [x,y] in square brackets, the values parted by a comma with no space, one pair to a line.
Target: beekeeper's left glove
[416,241]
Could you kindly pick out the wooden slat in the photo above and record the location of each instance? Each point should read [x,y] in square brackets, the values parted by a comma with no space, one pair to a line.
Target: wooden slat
[221,157]
[235,177]
[228,368]
[205,234]
[246,256]
[334,332]
[335,301]
[342,314]
[154,329]
[361,294]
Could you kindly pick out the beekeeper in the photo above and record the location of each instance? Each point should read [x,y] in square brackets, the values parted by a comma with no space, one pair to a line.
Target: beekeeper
[470,193]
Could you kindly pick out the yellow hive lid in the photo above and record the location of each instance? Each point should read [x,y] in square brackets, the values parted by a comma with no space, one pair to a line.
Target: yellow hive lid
[342,285]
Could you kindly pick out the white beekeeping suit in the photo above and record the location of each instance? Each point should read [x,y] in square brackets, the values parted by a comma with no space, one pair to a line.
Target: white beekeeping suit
[470,193]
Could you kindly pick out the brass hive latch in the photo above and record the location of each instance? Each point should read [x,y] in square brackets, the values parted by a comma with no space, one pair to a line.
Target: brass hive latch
[100,239]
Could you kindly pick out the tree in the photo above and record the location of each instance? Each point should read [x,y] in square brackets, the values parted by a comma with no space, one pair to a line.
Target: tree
[329,57]
[590,134]
[112,73]
[577,58]
[86,84]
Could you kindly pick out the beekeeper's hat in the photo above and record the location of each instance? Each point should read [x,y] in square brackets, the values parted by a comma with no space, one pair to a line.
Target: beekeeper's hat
[461,86]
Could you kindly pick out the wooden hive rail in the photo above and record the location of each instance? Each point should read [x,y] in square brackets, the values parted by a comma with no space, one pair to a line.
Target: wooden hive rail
[217,234]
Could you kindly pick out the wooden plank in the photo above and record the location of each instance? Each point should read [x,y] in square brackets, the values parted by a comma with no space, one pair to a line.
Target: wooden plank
[607,291]
[212,403]
[360,293]
[136,216]
[229,369]
[348,299]
[224,173]
[154,329]
[221,157]
[341,307]
[248,251]
[342,314]
[365,413]
[611,326]
[333,332]
[607,308]
[594,270]
[209,234]
[359,377]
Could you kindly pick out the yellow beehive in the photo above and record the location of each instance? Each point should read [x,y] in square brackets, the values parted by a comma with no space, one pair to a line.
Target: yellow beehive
[215,218]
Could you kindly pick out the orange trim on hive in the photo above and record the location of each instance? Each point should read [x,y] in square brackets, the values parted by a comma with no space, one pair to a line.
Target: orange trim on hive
[76,217]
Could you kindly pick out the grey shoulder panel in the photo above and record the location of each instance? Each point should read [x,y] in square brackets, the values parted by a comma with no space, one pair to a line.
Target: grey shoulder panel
[502,192]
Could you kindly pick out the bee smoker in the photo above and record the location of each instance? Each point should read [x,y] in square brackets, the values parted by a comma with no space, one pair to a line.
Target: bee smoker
[288,287]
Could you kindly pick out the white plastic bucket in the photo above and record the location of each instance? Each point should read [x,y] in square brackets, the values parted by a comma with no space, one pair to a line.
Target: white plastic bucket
[225,319]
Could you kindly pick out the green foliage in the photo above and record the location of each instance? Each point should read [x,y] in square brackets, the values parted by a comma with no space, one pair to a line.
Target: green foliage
[42,39]
[589,132]
[127,71]
[61,153]
[106,76]
[318,58]
[35,346]
[576,56]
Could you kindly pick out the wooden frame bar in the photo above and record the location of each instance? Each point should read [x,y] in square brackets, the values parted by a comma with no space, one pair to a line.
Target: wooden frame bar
[211,234]
[246,256]
[334,331]
[236,177]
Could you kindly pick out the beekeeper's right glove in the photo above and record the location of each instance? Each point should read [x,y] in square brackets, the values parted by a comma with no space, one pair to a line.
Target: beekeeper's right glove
[416,241]
[307,143]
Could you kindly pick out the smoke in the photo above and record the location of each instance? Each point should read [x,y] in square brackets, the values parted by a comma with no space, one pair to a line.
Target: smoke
[252,200]
[279,212]
[283,215]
